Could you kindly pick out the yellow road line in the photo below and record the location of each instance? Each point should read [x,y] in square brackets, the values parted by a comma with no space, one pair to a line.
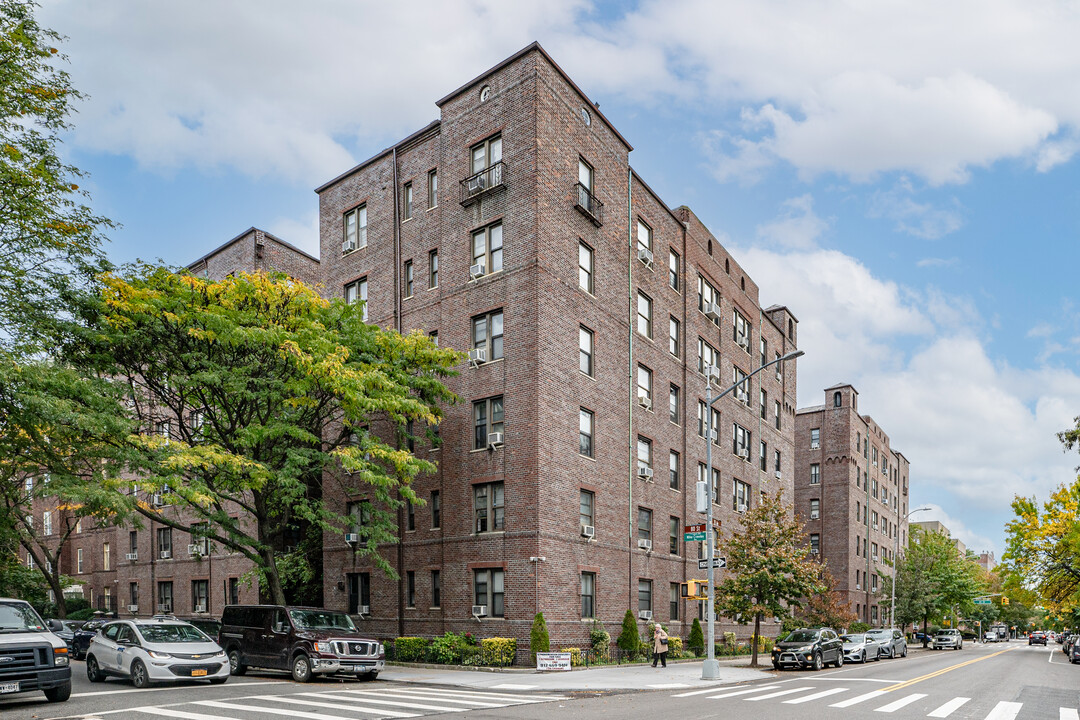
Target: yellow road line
[928,676]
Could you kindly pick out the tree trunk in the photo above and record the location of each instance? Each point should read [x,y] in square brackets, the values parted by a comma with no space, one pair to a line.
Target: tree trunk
[58,591]
[925,640]
[273,580]
[757,633]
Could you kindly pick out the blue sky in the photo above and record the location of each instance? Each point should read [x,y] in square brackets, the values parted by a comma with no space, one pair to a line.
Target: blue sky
[902,174]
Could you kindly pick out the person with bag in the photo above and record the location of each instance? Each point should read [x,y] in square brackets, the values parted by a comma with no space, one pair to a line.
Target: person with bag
[660,645]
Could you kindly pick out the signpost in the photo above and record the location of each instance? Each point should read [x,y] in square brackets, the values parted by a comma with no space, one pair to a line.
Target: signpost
[981,601]
[717,562]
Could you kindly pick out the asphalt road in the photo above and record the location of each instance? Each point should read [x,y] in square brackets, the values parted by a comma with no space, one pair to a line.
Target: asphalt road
[988,682]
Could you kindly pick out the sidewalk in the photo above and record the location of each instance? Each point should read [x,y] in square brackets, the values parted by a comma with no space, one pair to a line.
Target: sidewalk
[603,677]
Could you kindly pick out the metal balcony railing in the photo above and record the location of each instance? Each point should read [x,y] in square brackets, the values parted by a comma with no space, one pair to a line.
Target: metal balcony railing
[488,179]
[589,205]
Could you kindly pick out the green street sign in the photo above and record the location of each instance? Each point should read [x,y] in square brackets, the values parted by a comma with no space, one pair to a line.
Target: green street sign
[983,602]
[694,537]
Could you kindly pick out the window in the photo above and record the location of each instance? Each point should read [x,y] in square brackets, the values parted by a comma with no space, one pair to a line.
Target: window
[742,330]
[79,561]
[488,507]
[673,336]
[644,236]
[133,593]
[674,528]
[585,350]
[815,509]
[410,588]
[199,532]
[486,154]
[779,368]
[702,419]
[487,419]
[357,292]
[29,484]
[106,557]
[644,523]
[673,600]
[740,441]
[763,403]
[673,270]
[165,596]
[164,541]
[234,591]
[436,589]
[644,315]
[436,509]
[673,470]
[644,595]
[815,438]
[588,595]
[408,198]
[644,452]
[740,491]
[776,461]
[644,385]
[715,481]
[355,228]
[585,175]
[763,456]
[410,516]
[815,473]
[585,433]
[359,588]
[673,404]
[488,590]
[776,406]
[433,269]
[488,334]
[359,513]
[586,505]
[46,523]
[837,399]
[200,595]
[874,519]
[873,488]
[133,541]
[707,355]
[873,588]
[742,393]
[408,278]
[585,267]
[488,248]
[707,297]
[764,345]
[858,545]
[875,457]
[815,543]
[432,189]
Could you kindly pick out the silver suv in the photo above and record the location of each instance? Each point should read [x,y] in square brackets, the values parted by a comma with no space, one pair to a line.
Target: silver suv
[891,641]
[948,639]
[31,656]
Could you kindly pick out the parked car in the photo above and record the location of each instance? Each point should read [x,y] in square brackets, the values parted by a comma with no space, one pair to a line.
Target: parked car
[155,650]
[33,658]
[1068,644]
[990,637]
[65,629]
[1037,638]
[80,642]
[948,638]
[809,647]
[1074,651]
[860,648]
[305,641]
[891,642]
[210,626]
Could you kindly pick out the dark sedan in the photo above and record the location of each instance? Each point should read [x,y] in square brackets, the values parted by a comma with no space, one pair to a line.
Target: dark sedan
[80,643]
[1037,638]
[65,629]
[809,647]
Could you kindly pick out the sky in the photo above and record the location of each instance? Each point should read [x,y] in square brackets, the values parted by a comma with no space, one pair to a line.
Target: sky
[904,175]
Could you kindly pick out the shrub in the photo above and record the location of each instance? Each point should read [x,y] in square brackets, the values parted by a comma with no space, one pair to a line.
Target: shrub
[538,638]
[674,644]
[410,649]
[628,640]
[450,649]
[696,641]
[729,639]
[499,651]
[859,627]
[75,604]
[599,639]
[576,656]
[84,614]
[764,644]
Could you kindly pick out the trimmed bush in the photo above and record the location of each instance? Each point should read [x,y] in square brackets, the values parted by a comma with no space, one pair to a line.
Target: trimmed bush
[576,656]
[84,614]
[600,640]
[696,641]
[499,651]
[538,638]
[674,645]
[859,627]
[628,640]
[451,648]
[730,640]
[410,649]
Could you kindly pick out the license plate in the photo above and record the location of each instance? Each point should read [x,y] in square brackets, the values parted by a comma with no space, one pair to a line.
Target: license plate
[198,673]
[11,687]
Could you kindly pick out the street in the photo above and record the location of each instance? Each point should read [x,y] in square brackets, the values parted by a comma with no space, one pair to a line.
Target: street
[984,682]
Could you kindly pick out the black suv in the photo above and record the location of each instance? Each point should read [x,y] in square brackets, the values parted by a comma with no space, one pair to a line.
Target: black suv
[809,647]
[305,641]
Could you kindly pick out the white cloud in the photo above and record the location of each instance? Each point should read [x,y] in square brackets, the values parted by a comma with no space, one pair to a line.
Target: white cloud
[975,542]
[798,228]
[303,233]
[937,262]
[922,220]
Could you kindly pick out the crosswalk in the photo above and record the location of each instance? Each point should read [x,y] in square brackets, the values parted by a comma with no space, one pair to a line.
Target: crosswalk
[368,704]
[878,701]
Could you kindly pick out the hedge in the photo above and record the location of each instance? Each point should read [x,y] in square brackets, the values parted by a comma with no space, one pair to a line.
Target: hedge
[499,651]
[410,649]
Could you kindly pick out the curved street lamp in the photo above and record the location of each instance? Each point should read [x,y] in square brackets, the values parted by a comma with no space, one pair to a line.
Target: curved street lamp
[896,565]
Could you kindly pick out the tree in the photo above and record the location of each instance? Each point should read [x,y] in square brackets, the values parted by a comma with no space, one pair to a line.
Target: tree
[48,237]
[255,400]
[827,608]
[769,568]
[538,637]
[696,641]
[934,579]
[628,641]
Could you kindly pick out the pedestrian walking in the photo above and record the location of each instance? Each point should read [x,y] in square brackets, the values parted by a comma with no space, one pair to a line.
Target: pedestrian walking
[659,645]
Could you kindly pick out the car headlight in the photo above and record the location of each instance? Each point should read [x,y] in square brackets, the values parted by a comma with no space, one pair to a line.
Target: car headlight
[219,653]
[323,647]
[776,648]
[60,656]
[158,655]
[805,649]
[381,650]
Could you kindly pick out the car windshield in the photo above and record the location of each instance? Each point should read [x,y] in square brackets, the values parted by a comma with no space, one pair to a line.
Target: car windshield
[321,620]
[853,638]
[879,633]
[801,636]
[19,617]
[172,633]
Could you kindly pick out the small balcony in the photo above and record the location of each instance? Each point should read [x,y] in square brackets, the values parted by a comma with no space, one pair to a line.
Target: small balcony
[485,181]
[588,205]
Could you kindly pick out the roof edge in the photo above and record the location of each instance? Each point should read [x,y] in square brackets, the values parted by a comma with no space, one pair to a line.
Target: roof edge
[379,155]
[243,235]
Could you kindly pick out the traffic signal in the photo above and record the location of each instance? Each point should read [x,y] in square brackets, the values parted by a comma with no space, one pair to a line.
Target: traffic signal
[1004,600]
[694,590]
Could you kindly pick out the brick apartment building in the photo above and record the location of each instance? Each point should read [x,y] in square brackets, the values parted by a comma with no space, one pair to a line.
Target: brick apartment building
[851,491]
[512,226]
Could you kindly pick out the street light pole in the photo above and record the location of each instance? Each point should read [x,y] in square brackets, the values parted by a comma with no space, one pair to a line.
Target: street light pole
[896,566]
[710,669]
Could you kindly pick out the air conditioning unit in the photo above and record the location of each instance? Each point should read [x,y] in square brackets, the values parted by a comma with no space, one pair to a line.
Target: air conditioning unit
[495,439]
[348,246]
[477,271]
[713,372]
[479,611]
[644,544]
[644,472]
[363,610]
[743,453]
[477,356]
[644,400]
[200,608]
[712,311]
[165,554]
[165,607]
[588,531]
[194,550]
[742,341]
[156,500]
[713,435]
[814,516]
[741,507]
[644,614]
[741,396]
[132,556]
[813,551]
[133,608]
[475,184]
[779,474]
[645,256]
[352,538]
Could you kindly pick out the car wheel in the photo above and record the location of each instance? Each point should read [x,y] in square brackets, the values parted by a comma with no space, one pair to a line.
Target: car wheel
[236,665]
[904,654]
[301,668]
[818,662]
[840,659]
[59,694]
[139,677]
[93,672]
[218,681]
[877,657]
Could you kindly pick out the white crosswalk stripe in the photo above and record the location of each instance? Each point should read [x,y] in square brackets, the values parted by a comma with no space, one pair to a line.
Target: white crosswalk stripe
[733,693]
[780,693]
[948,708]
[902,702]
[1005,711]
[1068,714]
[858,699]
[815,696]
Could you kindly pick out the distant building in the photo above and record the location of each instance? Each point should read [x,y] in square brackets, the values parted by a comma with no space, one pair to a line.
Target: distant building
[985,560]
[937,527]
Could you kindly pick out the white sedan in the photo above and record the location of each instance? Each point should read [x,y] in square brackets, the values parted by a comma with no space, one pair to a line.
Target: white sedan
[156,650]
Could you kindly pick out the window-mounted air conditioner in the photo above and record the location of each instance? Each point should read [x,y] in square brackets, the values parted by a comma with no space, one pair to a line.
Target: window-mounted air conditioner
[133,608]
[644,472]
[743,453]
[352,538]
[165,607]
[157,500]
[644,544]
[712,311]
[194,550]
[495,439]
[165,554]
[348,245]
[478,270]
[477,356]
[644,614]
[779,474]
[713,372]
[644,400]
[132,556]
[645,256]
[479,610]
[200,608]
[588,531]
[741,508]
[363,610]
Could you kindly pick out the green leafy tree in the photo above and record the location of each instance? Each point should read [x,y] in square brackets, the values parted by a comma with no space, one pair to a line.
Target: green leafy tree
[696,641]
[253,398]
[628,640]
[538,637]
[769,568]
[935,581]
[825,609]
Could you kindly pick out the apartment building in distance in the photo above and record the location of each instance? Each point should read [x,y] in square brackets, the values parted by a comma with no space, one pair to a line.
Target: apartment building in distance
[936,526]
[851,491]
